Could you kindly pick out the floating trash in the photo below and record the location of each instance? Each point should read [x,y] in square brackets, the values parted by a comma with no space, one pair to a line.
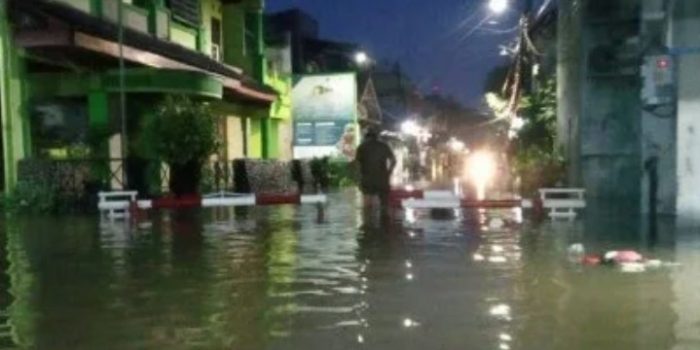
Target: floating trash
[498,259]
[409,323]
[632,267]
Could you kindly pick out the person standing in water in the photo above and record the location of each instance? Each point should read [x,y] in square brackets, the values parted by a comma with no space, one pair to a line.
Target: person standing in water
[376,162]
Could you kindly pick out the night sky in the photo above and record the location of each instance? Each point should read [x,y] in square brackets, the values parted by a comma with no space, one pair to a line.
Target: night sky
[446,44]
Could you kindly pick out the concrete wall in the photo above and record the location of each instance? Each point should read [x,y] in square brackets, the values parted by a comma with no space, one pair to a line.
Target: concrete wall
[689,136]
[685,40]
[285,138]
[658,140]
[658,125]
[569,84]
[610,127]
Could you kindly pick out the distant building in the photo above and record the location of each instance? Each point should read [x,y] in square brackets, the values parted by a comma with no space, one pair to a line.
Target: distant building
[310,54]
[298,27]
[398,97]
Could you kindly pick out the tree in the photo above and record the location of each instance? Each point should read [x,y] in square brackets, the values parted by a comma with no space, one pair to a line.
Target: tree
[496,79]
[536,160]
[183,135]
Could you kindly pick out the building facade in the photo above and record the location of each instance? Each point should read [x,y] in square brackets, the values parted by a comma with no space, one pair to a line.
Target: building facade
[628,96]
[72,68]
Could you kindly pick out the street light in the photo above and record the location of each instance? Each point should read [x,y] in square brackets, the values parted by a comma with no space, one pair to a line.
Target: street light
[361,58]
[410,127]
[498,6]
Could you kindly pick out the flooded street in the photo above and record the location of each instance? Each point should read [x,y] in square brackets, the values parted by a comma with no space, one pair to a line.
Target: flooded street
[276,278]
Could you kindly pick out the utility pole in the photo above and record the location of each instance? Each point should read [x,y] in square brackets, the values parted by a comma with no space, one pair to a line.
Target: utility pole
[122,93]
[569,84]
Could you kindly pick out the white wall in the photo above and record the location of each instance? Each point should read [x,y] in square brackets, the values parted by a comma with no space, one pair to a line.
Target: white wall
[688,202]
[685,29]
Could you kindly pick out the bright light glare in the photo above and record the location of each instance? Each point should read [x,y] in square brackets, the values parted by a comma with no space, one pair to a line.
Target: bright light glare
[411,219]
[517,123]
[361,58]
[481,168]
[456,145]
[498,6]
[410,127]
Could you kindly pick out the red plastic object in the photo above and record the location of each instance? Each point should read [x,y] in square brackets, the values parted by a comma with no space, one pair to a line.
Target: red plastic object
[398,195]
[591,260]
[171,202]
[277,198]
[628,256]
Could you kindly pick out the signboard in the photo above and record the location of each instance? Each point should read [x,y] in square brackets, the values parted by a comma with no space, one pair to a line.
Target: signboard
[324,108]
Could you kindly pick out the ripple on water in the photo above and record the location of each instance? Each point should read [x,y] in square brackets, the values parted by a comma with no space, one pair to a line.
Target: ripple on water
[273,278]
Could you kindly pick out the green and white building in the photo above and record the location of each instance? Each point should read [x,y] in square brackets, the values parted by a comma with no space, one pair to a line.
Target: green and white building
[66,64]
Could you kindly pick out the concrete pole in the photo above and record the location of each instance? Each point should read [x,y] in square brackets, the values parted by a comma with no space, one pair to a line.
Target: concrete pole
[569,85]
[5,131]
[122,95]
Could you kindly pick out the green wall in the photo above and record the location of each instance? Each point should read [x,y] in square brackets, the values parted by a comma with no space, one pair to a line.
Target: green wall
[247,56]
[210,9]
[183,35]
[282,107]
[272,140]
[138,80]
[280,111]
[15,128]
[255,138]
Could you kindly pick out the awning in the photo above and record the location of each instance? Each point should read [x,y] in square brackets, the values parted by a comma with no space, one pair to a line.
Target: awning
[71,29]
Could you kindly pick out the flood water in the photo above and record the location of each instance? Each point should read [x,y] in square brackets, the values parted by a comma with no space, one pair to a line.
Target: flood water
[280,278]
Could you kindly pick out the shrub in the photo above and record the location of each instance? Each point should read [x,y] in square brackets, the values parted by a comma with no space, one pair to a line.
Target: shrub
[341,173]
[537,162]
[33,197]
[183,134]
[537,168]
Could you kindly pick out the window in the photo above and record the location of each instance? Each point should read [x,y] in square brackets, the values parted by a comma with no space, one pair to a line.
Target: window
[216,31]
[251,26]
[216,39]
[60,124]
[186,11]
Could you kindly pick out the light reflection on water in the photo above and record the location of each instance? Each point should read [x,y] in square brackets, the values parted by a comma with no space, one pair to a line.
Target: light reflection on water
[274,278]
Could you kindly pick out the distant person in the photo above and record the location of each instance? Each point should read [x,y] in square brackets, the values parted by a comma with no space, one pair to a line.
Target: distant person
[376,162]
[346,145]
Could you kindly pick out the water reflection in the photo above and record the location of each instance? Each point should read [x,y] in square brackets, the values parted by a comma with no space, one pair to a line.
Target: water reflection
[278,278]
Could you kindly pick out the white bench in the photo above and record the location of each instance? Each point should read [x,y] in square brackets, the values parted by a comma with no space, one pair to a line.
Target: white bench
[115,204]
[434,200]
[564,205]
[229,199]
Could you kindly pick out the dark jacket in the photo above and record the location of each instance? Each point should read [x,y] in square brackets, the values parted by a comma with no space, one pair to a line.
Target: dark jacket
[376,161]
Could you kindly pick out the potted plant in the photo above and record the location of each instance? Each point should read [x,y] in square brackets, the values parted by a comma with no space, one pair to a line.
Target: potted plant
[184,135]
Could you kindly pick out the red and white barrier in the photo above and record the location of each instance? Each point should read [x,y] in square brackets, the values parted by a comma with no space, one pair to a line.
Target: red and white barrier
[420,199]
[117,204]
